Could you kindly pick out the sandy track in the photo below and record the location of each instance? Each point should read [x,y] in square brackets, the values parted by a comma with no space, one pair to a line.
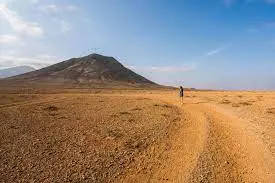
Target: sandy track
[212,145]
[231,153]
[219,145]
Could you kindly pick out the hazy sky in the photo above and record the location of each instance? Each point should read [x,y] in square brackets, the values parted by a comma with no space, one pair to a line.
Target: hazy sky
[221,44]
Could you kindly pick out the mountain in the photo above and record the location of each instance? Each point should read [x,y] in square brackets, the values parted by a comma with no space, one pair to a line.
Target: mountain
[4,73]
[90,69]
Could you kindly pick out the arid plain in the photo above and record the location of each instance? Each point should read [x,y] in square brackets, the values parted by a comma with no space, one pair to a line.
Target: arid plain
[108,135]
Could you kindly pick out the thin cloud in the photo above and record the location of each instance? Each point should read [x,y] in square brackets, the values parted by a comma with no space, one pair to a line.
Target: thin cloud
[65,26]
[34,1]
[263,25]
[54,8]
[8,39]
[50,8]
[252,30]
[213,52]
[173,68]
[166,69]
[228,3]
[37,62]
[18,24]
[71,8]
[269,24]
[270,1]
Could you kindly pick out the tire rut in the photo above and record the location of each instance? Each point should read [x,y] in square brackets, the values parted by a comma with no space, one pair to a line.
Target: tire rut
[231,154]
[227,151]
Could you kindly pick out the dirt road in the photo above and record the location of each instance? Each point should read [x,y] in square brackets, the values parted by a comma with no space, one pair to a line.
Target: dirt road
[214,145]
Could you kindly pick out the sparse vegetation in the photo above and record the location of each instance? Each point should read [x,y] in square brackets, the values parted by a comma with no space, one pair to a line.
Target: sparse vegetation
[124,113]
[51,108]
[12,98]
[165,105]
[235,105]
[81,134]
[137,109]
[225,101]
[124,136]
[260,98]
[271,110]
[245,103]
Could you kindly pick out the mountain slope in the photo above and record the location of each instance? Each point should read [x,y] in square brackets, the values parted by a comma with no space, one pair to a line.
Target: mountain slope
[4,73]
[93,68]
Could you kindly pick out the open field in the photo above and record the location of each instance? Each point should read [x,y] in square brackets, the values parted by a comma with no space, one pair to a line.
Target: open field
[136,136]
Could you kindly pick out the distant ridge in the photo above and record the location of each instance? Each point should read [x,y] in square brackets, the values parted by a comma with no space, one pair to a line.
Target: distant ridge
[13,71]
[90,69]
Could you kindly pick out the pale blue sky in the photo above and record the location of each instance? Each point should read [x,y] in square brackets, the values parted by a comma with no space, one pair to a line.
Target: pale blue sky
[219,44]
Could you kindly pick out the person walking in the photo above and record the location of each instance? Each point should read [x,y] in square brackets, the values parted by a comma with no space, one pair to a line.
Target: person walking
[181,94]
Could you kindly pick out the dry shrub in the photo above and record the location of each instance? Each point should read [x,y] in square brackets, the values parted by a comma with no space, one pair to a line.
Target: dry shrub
[114,134]
[271,110]
[167,106]
[225,101]
[51,108]
[251,101]
[165,115]
[245,103]
[136,109]
[235,105]
[114,115]
[131,120]
[143,99]
[136,144]
[124,113]
[260,98]
[176,119]
[133,145]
